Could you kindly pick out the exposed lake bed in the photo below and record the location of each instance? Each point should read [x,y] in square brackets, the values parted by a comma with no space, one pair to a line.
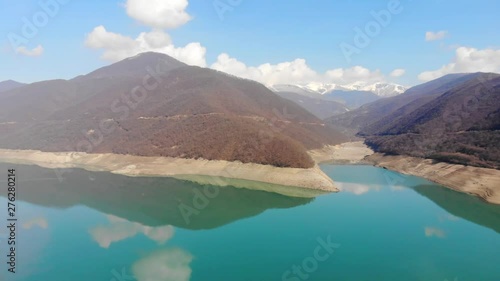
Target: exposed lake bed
[202,171]
[481,182]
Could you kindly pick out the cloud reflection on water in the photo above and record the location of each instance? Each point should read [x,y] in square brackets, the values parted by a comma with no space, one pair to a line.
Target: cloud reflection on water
[434,232]
[39,221]
[361,188]
[164,265]
[121,229]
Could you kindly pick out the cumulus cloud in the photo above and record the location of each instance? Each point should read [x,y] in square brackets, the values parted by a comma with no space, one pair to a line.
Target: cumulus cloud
[280,73]
[398,72]
[353,74]
[117,47]
[159,13]
[433,36]
[467,60]
[35,52]
[293,72]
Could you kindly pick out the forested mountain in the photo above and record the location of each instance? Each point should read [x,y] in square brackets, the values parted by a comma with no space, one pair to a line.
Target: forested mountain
[455,118]
[154,105]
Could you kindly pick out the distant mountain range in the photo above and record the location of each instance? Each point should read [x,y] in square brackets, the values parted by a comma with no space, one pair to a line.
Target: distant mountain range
[319,107]
[154,105]
[350,96]
[380,89]
[351,99]
[455,118]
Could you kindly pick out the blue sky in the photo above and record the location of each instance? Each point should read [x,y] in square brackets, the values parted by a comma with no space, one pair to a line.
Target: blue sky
[255,33]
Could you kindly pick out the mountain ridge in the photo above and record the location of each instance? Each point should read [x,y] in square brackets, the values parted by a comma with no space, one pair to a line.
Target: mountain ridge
[178,111]
[352,95]
[380,89]
[10,85]
[455,119]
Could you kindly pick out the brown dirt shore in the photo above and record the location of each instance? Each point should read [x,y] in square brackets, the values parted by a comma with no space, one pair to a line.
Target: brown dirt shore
[345,153]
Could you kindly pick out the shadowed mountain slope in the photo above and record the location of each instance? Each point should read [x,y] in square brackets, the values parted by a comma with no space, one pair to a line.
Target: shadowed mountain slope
[460,126]
[370,117]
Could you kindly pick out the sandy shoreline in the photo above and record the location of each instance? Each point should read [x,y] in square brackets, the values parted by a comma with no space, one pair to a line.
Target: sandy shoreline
[345,153]
[481,182]
[287,181]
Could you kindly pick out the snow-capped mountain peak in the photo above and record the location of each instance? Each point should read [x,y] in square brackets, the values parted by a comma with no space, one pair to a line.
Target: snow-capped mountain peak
[320,88]
[380,89]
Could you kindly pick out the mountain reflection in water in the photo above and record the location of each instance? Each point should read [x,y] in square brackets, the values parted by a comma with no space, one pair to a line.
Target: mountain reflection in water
[148,201]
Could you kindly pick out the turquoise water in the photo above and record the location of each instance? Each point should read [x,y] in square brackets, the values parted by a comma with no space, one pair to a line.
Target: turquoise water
[383,226]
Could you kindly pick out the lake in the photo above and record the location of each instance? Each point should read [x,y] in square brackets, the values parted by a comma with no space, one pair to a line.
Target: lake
[384,226]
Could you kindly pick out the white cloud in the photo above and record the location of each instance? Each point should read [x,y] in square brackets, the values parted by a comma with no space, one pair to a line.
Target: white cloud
[117,47]
[293,72]
[101,38]
[433,36]
[398,72]
[35,52]
[159,13]
[280,73]
[353,74]
[467,60]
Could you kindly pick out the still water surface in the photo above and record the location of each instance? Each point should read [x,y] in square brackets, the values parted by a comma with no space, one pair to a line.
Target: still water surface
[383,226]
